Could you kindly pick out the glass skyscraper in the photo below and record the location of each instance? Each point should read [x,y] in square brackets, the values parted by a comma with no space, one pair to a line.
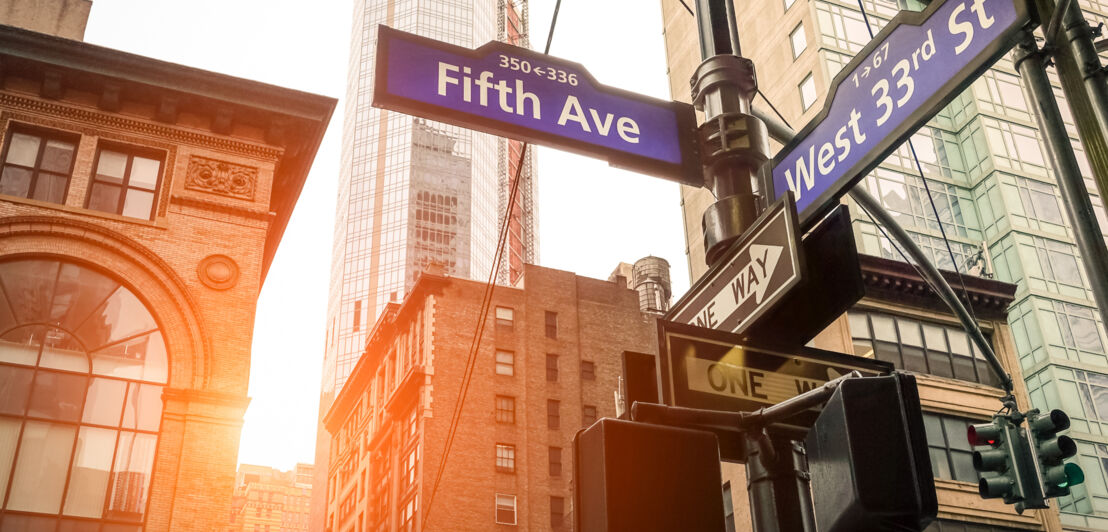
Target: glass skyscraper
[417,195]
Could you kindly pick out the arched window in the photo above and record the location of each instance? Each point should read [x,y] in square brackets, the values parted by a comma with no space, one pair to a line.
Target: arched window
[82,368]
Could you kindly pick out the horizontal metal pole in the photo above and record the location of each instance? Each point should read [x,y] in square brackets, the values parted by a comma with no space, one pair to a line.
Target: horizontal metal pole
[743,421]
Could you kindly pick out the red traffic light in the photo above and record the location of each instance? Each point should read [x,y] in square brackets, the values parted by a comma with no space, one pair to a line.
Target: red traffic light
[983,434]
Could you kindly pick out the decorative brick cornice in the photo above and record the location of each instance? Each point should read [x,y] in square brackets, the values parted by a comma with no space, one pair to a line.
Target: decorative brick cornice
[897,282]
[209,205]
[173,134]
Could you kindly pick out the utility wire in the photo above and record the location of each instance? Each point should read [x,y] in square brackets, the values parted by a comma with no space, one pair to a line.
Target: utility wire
[759,89]
[687,8]
[775,111]
[486,302]
[898,250]
[930,197]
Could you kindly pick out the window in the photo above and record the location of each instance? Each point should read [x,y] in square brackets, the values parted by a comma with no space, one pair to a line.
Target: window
[125,180]
[1039,201]
[552,416]
[505,509]
[807,92]
[37,164]
[551,367]
[557,512]
[728,508]
[789,3]
[505,458]
[408,513]
[1014,146]
[588,415]
[904,193]
[505,363]
[409,464]
[555,460]
[81,403]
[951,454]
[912,345]
[588,371]
[505,409]
[552,325]
[798,40]
[505,317]
[842,27]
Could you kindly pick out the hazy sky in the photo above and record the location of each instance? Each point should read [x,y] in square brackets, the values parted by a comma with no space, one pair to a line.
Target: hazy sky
[591,217]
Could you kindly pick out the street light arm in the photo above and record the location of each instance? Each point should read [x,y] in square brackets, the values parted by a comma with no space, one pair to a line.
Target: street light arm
[935,279]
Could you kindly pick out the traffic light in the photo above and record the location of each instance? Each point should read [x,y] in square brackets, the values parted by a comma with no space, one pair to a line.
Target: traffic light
[1051,449]
[1002,475]
[868,459]
[643,477]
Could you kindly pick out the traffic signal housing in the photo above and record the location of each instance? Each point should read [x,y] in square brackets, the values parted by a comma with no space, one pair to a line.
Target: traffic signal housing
[1052,450]
[646,478]
[999,464]
[868,459]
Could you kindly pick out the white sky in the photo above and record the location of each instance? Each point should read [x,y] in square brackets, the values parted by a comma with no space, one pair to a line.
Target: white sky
[591,216]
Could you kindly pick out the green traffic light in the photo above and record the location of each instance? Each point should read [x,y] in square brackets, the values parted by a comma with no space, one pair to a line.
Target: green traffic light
[1074,476]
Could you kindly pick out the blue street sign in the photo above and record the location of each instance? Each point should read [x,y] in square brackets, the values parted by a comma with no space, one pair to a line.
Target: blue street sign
[914,67]
[515,92]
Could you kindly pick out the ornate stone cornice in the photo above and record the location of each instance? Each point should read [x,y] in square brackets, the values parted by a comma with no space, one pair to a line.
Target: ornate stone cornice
[173,134]
[897,282]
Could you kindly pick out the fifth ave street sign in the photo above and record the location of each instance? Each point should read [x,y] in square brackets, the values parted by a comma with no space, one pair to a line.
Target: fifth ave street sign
[754,273]
[916,65]
[515,92]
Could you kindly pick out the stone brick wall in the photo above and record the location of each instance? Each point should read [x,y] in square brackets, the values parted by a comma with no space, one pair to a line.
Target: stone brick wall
[197,265]
[596,322]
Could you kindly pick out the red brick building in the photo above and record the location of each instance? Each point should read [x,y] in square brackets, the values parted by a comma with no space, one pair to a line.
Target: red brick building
[548,364]
[269,499]
[141,204]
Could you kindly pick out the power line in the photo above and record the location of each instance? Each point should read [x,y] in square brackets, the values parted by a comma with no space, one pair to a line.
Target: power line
[486,302]
[771,106]
[930,198]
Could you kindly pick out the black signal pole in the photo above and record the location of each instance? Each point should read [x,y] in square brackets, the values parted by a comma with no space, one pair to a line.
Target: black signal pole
[1030,64]
[1084,80]
[734,144]
[1085,84]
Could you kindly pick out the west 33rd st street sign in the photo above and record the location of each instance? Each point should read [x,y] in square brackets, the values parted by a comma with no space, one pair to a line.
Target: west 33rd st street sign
[916,65]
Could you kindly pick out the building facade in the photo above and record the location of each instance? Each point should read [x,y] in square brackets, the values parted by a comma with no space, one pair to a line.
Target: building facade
[141,204]
[416,194]
[548,363]
[267,499]
[995,194]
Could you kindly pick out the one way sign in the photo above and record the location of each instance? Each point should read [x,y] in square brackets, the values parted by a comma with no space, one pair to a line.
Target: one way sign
[754,274]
